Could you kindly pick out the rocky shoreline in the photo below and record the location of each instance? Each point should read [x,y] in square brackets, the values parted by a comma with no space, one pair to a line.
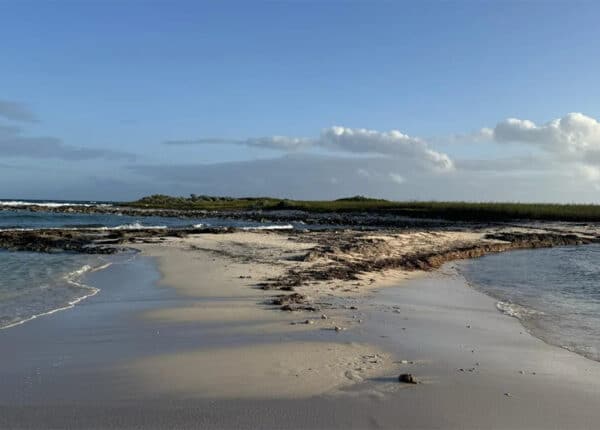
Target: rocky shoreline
[90,241]
[335,254]
[350,219]
[353,256]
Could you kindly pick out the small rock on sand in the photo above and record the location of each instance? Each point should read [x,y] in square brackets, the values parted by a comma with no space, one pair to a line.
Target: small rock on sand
[408,378]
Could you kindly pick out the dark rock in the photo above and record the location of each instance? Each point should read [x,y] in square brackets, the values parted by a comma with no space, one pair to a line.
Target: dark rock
[286,299]
[408,378]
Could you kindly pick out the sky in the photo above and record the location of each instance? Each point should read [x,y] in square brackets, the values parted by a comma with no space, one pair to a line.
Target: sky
[424,100]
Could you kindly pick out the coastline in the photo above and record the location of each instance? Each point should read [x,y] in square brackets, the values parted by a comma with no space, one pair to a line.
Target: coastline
[74,278]
[476,355]
[476,365]
[210,340]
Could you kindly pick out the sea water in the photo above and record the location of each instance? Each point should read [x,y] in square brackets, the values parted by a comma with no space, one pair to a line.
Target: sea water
[555,292]
[24,219]
[34,284]
[38,284]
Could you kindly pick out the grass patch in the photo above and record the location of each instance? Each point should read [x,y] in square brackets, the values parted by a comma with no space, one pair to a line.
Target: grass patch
[464,211]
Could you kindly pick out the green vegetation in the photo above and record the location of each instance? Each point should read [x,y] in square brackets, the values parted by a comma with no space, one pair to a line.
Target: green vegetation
[447,210]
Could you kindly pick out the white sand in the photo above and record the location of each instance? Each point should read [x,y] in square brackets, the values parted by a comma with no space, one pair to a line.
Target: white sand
[509,379]
[217,273]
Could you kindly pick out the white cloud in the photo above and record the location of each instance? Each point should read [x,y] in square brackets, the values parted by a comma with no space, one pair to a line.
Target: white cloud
[575,134]
[393,143]
[554,161]
[347,140]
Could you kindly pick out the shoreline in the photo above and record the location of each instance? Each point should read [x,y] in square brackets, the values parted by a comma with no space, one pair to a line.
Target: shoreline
[211,339]
[546,321]
[449,335]
[453,268]
[74,278]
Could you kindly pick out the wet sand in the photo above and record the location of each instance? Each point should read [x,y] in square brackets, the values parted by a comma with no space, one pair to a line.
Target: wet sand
[161,351]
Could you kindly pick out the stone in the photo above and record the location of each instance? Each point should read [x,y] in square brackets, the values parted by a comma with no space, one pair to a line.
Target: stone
[407,378]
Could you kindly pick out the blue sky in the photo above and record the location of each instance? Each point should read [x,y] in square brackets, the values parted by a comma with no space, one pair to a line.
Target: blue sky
[121,78]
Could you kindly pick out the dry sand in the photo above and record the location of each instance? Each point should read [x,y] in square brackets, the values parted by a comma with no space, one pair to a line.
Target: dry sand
[219,274]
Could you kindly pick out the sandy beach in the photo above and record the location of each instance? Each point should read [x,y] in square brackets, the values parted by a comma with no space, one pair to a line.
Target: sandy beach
[195,332]
[299,215]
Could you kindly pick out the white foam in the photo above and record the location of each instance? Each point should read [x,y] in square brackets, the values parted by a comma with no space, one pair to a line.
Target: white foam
[517,311]
[73,279]
[20,203]
[270,227]
[134,226]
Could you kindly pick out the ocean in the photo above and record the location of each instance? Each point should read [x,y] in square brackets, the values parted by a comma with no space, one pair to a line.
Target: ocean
[36,284]
[23,219]
[554,292]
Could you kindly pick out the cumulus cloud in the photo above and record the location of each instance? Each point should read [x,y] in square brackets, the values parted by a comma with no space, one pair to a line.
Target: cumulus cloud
[14,144]
[554,161]
[347,140]
[15,111]
[574,135]
[394,143]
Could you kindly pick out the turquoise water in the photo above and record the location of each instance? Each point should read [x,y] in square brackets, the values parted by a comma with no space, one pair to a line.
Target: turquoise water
[555,292]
